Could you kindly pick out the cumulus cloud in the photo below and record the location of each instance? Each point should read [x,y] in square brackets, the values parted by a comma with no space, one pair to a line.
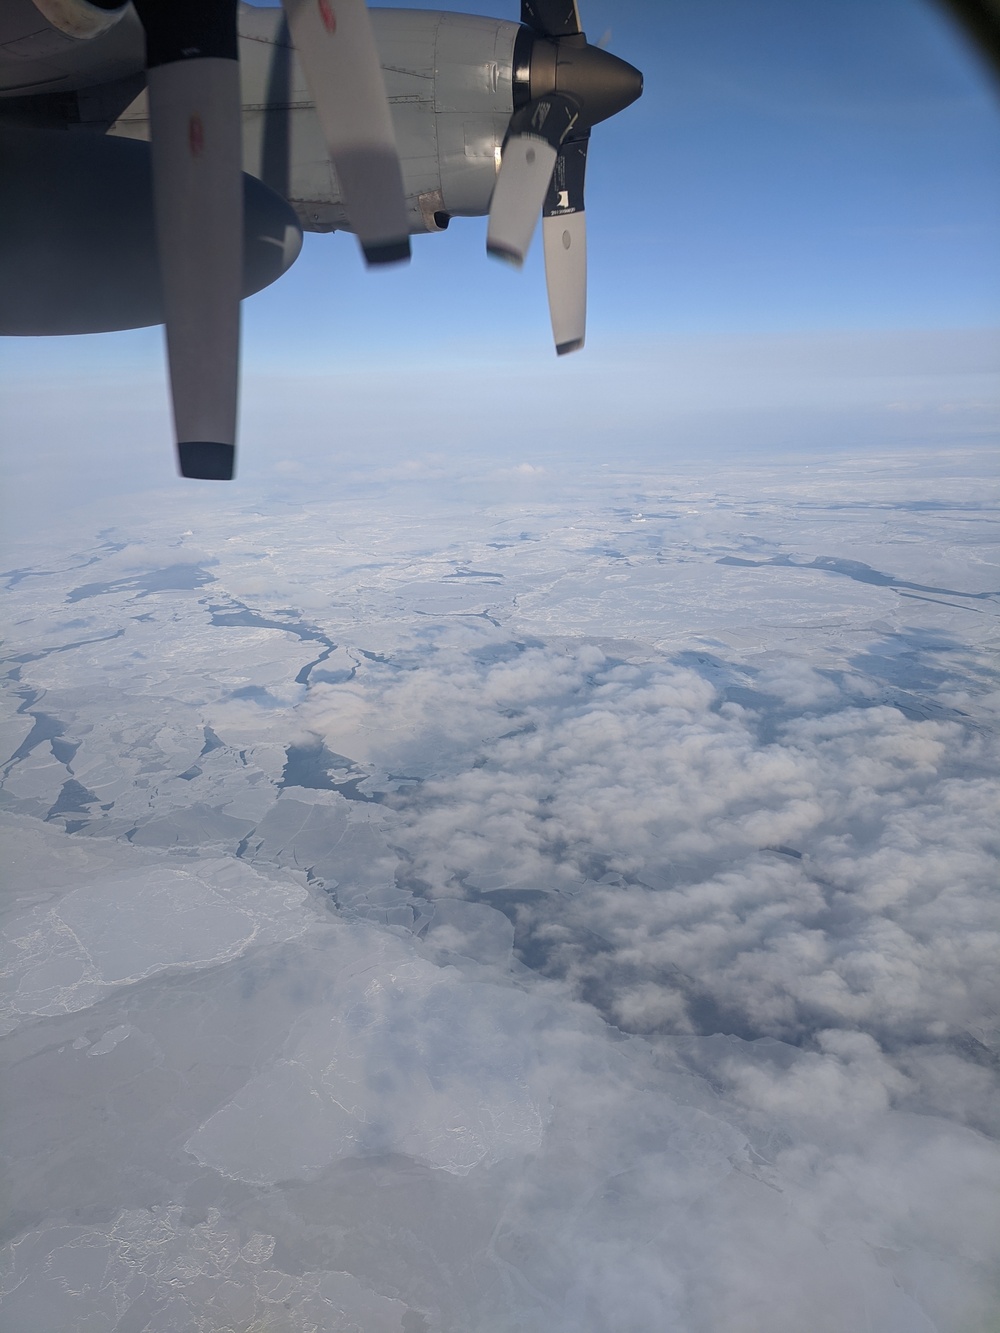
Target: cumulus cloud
[682,872]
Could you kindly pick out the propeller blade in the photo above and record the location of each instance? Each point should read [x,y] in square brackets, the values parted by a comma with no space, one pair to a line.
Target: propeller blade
[551,18]
[518,196]
[336,48]
[535,136]
[564,234]
[196,149]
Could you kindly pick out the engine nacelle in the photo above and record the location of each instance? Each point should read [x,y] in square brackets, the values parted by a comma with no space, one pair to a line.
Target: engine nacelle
[62,45]
[81,19]
[77,237]
[449,79]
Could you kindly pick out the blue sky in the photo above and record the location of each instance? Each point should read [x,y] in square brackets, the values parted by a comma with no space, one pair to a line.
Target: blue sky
[794,167]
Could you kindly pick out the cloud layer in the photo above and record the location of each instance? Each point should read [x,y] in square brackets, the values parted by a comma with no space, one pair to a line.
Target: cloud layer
[554,928]
[798,861]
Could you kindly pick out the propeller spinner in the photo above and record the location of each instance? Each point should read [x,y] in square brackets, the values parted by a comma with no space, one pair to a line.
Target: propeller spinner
[562,87]
[196,133]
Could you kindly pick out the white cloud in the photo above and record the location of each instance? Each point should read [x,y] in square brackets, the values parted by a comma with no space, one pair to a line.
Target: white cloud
[687,875]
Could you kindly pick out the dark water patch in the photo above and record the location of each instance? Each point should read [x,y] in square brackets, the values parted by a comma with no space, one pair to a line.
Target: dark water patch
[906,661]
[247,619]
[351,790]
[528,729]
[906,506]
[258,695]
[73,800]
[108,542]
[506,900]
[487,574]
[64,751]
[492,653]
[26,805]
[304,675]
[533,949]
[752,700]
[46,728]
[173,578]
[24,658]
[308,676]
[311,766]
[538,950]
[212,742]
[610,553]
[733,679]
[191,773]
[916,709]
[852,569]
[785,851]
[195,825]
[973,1049]
[959,506]
[939,601]
[16,576]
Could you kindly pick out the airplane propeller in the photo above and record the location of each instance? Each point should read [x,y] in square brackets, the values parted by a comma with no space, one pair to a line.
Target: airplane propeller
[566,86]
[196,133]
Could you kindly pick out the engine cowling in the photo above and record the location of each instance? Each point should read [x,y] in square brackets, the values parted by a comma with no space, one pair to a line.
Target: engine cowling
[62,45]
[81,19]
[77,238]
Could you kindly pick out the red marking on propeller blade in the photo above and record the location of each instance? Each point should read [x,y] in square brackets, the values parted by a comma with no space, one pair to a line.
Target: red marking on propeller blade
[196,135]
[327,15]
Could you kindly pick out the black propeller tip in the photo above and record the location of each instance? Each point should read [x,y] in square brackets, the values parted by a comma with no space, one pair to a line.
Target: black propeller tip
[504,252]
[205,460]
[574,345]
[392,252]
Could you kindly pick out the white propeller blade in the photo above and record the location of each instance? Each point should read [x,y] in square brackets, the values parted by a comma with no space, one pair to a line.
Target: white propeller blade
[196,133]
[336,47]
[518,196]
[552,18]
[536,133]
[565,240]
[564,232]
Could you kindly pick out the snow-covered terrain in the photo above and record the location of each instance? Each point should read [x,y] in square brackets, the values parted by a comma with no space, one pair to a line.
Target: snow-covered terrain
[568,911]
